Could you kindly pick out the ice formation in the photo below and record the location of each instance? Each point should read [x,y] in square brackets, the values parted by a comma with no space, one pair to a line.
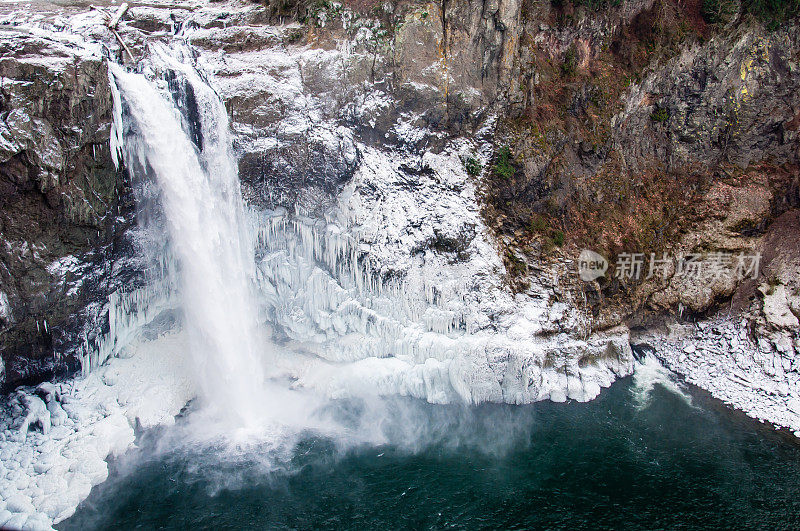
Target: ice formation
[420,331]
[56,439]
[129,312]
[362,300]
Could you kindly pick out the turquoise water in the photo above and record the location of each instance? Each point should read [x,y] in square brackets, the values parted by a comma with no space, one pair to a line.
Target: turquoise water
[607,464]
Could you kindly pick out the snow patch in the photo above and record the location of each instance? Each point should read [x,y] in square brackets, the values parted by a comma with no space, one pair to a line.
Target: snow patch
[52,455]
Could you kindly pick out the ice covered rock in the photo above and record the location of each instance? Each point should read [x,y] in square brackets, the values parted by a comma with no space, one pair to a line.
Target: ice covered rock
[752,376]
[44,477]
[5,516]
[53,133]
[48,392]
[57,415]
[19,503]
[17,521]
[557,395]
[776,307]
[37,522]
[36,415]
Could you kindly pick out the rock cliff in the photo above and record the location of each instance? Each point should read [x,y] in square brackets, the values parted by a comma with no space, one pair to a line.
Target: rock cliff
[59,191]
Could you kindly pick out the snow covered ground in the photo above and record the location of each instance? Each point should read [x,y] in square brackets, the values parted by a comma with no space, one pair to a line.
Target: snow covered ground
[720,357]
[54,440]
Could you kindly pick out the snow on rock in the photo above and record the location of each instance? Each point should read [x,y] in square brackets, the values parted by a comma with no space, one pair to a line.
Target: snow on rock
[777,310]
[400,291]
[721,357]
[53,449]
[36,414]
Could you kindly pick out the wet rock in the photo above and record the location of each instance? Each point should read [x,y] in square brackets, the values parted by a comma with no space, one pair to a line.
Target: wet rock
[59,192]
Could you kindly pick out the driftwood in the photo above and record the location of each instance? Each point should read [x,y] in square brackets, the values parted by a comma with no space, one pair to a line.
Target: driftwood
[118,16]
[113,21]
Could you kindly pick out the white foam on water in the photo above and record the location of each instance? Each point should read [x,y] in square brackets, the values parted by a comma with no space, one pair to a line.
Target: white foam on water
[648,374]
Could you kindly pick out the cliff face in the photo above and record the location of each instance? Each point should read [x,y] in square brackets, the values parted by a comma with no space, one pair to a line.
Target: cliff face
[632,127]
[700,156]
[59,191]
[654,132]
[651,133]
[472,149]
[384,75]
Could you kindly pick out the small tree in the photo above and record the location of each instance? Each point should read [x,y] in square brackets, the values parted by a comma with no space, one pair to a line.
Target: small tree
[504,167]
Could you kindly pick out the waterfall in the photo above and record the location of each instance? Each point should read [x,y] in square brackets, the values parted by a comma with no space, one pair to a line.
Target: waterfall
[185,161]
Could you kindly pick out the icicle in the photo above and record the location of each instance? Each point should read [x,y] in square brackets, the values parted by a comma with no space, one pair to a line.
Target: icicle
[115,135]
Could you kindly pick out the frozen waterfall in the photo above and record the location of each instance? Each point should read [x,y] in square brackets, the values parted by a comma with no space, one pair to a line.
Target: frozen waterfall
[348,304]
[185,160]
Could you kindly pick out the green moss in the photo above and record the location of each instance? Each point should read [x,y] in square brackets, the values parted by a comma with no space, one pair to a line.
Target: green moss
[570,64]
[771,12]
[295,36]
[316,9]
[472,166]
[514,264]
[597,97]
[539,139]
[591,4]
[772,284]
[538,224]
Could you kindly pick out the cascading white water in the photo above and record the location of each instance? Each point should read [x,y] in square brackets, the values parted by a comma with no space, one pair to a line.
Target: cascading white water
[205,225]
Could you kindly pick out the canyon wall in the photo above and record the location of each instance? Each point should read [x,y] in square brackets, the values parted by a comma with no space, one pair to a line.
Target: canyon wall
[489,142]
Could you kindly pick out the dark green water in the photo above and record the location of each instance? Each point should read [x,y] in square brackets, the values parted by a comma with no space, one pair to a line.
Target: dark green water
[601,465]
